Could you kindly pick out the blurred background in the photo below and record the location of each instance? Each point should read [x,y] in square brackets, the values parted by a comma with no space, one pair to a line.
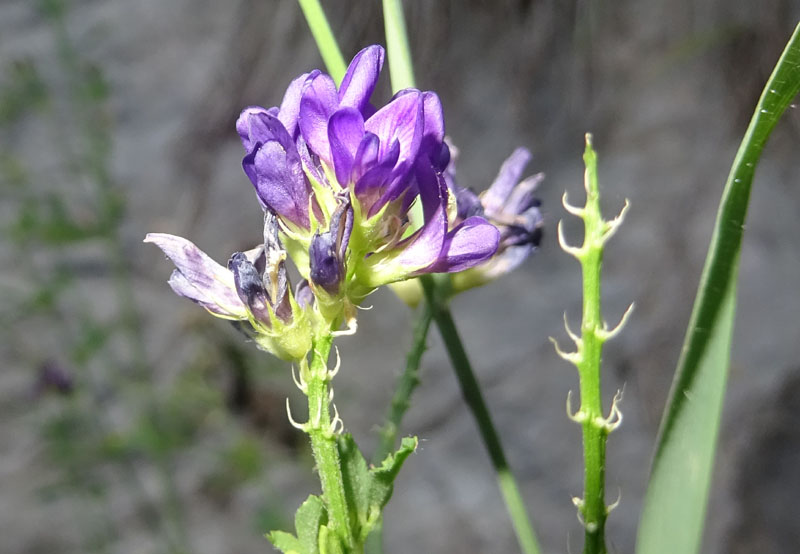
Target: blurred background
[132,422]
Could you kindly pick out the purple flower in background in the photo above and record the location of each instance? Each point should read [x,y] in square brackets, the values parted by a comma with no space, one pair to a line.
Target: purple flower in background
[509,203]
[53,377]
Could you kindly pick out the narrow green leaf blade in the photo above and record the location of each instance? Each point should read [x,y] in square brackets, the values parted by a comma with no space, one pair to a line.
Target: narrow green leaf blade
[675,504]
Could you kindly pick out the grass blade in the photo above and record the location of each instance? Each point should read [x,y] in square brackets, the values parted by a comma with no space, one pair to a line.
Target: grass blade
[675,504]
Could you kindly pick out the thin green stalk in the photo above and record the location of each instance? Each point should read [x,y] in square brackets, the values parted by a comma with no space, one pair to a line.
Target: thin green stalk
[406,384]
[587,356]
[401,68]
[474,399]
[436,294]
[323,442]
[326,42]
[594,436]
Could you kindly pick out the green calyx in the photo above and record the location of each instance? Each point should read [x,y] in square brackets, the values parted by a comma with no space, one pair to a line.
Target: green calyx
[288,341]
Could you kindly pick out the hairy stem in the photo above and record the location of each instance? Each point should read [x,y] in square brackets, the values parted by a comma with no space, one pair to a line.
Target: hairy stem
[596,427]
[323,442]
[594,435]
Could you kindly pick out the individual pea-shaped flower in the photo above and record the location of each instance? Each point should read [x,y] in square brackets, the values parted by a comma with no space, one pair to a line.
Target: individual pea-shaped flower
[254,288]
[509,203]
[325,148]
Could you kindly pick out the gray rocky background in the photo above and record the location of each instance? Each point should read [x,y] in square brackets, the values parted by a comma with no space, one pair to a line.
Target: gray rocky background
[666,86]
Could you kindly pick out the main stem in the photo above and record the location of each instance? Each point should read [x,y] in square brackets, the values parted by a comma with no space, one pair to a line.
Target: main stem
[474,398]
[323,442]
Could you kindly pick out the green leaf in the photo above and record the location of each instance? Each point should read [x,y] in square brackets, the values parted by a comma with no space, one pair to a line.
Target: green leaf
[368,490]
[675,504]
[307,521]
[285,542]
[357,481]
[309,524]
[383,477]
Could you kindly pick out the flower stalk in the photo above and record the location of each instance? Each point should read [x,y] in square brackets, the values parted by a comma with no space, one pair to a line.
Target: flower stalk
[314,382]
[471,391]
[406,383]
[323,36]
[401,67]
[592,509]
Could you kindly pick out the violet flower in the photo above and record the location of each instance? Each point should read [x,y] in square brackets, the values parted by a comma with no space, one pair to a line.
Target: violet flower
[326,145]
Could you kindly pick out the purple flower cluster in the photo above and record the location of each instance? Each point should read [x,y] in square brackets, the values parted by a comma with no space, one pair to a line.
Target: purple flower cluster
[357,197]
[327,162]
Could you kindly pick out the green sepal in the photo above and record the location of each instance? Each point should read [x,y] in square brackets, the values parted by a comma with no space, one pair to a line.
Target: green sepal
[288,341]
[367,490]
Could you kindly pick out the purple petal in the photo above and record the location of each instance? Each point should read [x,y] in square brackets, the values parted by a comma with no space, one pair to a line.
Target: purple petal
[467,202]
[303,294]
[310,161]
[290,106]
[433,135]
[366,155]
[257,126]
[345,131]
[251,127]
[200,278]
[400,120]
[360,79]
[506,261]
[370,187]
[527,229]
[472,242]
[325,268]
[521,198]
[318,103]
[281,184]
[424,247]
[509,175]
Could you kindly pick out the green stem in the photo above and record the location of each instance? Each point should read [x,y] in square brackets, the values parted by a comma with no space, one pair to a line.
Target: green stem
[323,442]
[474,399]
[401,69]
[587,358]
[594,435]
[406,384]
[326,42]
